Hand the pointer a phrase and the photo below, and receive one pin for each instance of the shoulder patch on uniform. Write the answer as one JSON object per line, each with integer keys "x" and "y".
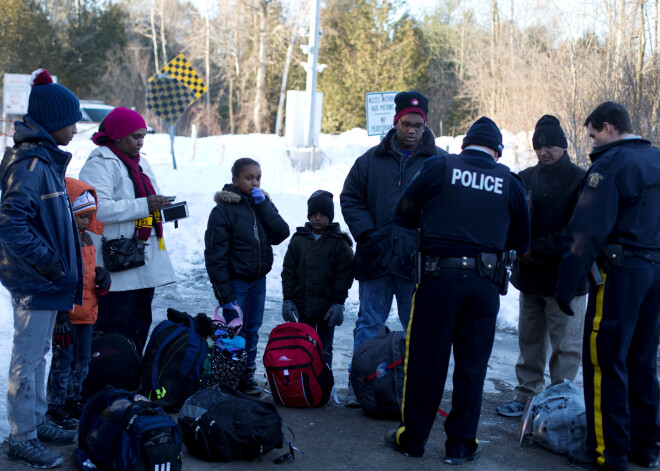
{"x": 595, "y": 180}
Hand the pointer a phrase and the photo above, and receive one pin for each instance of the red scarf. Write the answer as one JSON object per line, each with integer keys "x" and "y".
{"x": 143, "y": 188}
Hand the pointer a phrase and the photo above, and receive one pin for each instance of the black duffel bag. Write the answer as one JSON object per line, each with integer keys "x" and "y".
{"x": 123, "y": 253}
{"x": 222, "y": 424}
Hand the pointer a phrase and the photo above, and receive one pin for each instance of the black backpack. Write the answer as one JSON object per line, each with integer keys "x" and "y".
{"x": 377, "y": 374}
{"x": 222, "y": 424}
{"x": 114, "y": 361}
{"x": 175, "y": 361}
{"x": 121, "y": 431}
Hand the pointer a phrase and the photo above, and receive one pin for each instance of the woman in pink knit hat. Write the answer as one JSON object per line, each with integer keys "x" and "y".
{"x": 129, "y": 203}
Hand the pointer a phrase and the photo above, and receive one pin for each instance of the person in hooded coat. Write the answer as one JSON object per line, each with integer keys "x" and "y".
{"x": 242, "y": 228}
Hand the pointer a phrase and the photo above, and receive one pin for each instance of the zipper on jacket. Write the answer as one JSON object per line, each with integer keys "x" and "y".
{"x": 53, "y": 195}
{"x": 256, "y": 236}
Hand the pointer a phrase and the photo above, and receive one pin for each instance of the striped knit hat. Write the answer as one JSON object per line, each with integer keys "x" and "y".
{"x": 84, "y": 202}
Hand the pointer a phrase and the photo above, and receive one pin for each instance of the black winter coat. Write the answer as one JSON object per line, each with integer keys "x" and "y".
{"x": 238, "y": 240}
{"x": 553, "y": 192}
{"x": 371, "y": 190}
{"x": 317, "y": 273}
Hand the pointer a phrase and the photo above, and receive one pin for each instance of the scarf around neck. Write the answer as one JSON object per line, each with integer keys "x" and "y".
{"x": 143, "y": 188}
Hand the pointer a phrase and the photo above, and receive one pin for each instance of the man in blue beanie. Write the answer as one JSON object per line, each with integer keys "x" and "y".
{"x": 41, "y": 261}
{"x": 383, "y": 256}
{"x": 471, "y": 211}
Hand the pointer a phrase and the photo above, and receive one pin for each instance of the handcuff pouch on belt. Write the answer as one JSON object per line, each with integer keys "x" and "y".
{"x": 486, "y": 264}
{"x": 611, "y": 256}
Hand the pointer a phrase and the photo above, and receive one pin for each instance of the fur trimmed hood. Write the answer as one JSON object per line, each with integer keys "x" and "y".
{"x": 230, "y": 195}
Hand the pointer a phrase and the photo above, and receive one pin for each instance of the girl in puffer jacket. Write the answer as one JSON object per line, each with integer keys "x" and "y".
{"x": 242, "y": 228}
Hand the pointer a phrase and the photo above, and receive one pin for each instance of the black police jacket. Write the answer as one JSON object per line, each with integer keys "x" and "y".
{"x": 371, "y": 190}
{"x": 465, "y": 204}
{"x": 553, "y": 192}
{"x": 619, "y": 204}
{"x": 238, "y": 240}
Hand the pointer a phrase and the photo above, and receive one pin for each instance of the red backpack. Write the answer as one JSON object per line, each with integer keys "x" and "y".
{"x": 294, "y": 364}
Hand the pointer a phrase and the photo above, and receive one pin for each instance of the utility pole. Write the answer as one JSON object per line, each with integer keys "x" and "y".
{"x": 312, "y": 67}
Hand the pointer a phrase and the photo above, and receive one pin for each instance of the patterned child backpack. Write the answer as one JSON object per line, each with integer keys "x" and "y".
{"x": 122, "y": 431}
{"x": 175, "y": 360}
{"x": 294, "y": 364}
{"x": 228, "y": 355}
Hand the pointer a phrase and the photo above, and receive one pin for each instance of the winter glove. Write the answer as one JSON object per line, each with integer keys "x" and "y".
{"x": 289, "y": 311}
{"x": 103, "y": 281}
{"x": 565, "y": 306}
{"x": 258, "y": 195}
{"x": 62, "y": 330}
{"x": 335, "y": 315}
{"x": 53, "y": 270}
{"x": 229, "y": 306}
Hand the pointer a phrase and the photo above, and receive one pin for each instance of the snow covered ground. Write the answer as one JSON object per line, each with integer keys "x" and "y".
{"x": 202, "y": 173}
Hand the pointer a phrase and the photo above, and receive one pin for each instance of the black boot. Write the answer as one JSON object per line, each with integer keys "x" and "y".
{"x": 248, "y": 384}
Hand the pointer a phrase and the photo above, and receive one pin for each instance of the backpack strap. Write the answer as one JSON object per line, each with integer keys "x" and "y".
{"x": 291, "y": 454}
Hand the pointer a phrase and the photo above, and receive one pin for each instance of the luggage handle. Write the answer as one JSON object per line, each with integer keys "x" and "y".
{"x": 236, "y": 322}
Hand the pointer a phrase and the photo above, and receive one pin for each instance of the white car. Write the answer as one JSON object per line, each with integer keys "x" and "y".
{"x": 93, "y": 112}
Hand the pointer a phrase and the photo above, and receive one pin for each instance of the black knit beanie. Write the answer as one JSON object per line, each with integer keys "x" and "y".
{"x": 321, "y": 201}
{"x": 549, "y": 133}
{"x": 484, "y": 132}
{"x": 410, "y": 102}
{"x": 50, "y": 104}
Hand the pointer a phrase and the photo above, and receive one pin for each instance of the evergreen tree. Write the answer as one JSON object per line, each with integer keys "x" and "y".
{"x": 89, "y": 35}
{"x": 369, "y": 46}
{"x": 27, "y": 39}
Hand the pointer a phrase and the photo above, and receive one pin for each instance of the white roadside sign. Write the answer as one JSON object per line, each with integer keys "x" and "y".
{"x": 16, "y": 93}
{"x": 380, "y": 112}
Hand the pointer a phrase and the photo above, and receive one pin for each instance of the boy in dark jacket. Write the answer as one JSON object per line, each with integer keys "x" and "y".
{"x": 41, "y": 261}
{"x": 318, "y": 272}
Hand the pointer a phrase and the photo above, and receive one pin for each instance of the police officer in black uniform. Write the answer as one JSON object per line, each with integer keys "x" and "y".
{"x": 617, "y": 222}
{"x": 471, "y": 211}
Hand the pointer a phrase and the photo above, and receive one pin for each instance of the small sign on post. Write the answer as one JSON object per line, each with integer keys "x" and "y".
{"x": 380, "y": 112}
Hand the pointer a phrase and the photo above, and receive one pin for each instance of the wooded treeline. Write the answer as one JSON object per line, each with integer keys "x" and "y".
{"x": 468, "y": 62}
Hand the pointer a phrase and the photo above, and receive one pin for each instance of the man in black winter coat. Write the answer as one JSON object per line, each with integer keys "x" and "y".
{"x": 384, "y": 252}
{"x": 552, "y": 190}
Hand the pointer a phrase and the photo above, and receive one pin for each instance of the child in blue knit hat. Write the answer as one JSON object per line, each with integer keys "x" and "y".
{"x": 41, "y": 261}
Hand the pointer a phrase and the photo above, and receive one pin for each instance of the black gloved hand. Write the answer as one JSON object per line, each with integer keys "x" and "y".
{"x": 565, "y": 306}
{"x": 103, "y": 281}
{"x": 53, "y": 270}
{"x": 62, "y": 330}
{"x": 335, "y": 315}
{"x": 289, "y": 311}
